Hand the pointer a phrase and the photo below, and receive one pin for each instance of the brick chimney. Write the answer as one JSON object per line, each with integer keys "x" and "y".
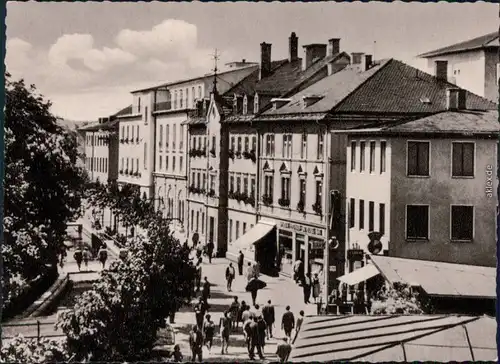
{"x": 265, "y": 60}
{"x": 293, "y": 45}
{"x": 441, "y": 70}
{"x": 312, "y": 52}
{"x": 333, "y": 46}
{"x": 456, "y": 99}
{"x": 357, "y": 57}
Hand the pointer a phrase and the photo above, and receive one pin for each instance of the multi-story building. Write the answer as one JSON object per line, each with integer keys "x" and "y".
{"x": 433, "y": 194}
{"x": 472, "y": 64}
{"x": 363, "y": 93}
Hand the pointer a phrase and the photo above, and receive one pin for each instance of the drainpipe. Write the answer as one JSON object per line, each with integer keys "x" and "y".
{"x": 257, "y": 175}
{"x": 153, "y": 121}
{"x": 207, "y": 179}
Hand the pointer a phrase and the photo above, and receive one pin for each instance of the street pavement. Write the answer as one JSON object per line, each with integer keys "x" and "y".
{"x": 281, "y": 291}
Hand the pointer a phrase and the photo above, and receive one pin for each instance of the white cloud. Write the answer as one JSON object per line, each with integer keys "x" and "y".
{"x": 98, "y": 60}
{"x": 17, "y": 55}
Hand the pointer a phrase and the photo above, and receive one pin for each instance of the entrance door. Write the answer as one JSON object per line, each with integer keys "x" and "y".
{"x": 211, "y": 228}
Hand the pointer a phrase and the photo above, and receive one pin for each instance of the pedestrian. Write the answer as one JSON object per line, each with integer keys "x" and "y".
{"x": 261, "y": 326}
{"x": 177, "y": 355}
{"x": 250, "y": 271}
{"x": 241, "y": 259}
{"x": 306, "y": 286}
{"x": 234, "y": 310}
{"x": 242, "y": 309}
{"x": 283, "y": 350}
{"x": 246, "y": 331}
{"x": 208, "y": 332}
{"x": 246, "y": 315}
{"x": 253, "y": 293}
{"x": 298, "y": 325}
{"x": 199, "y": 252}
{"x": 103, "y": 255}
{"x": 200, "y": 310}
{"x": 256, "y": 312}
{"x": 230, "y": 274}
{"x": 205, "y": 292}
{"x": 296, "y": 270}
{"x": 78, "y": 255}
{"x": 288, "y": 322}
{"x": 316, "y": 287}
{"x": 269, "y": 318}
{"x": 196, "y": 343}
{"x": 210, "y": 251}
{"x": 225, "y": 328}
{"x": 198, "y": 275}
{"x": 86, "y": 257}
{"x": 255, "y": 342}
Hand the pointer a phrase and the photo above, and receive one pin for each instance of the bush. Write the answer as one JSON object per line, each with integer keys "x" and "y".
{"x": 396, "y": 299}
{"x": 23, "y": 350}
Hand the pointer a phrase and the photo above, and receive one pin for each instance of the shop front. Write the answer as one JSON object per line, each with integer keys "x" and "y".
{"x": 300, "y": 242}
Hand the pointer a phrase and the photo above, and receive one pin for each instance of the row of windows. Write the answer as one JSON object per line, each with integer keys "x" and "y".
{"x": 237, "y": 229}
{"x": 127, "y": 164}
{"x": 371, "y": 215}
{"x": 286, "y": 188}
{"x": 182, "y": 97}
{"x": 196, "y": 224}
{"x": 162, "y": 167}
{"x": 174, "y": 137}
{"x": 286, "y": 150}
{"x": 242, "y": 144}
{"x": 97, "y": 164}
{"x": 130, "y": 132}
{"x": 372, "y": 156}
{"x": 199, "y": 180}
{"x": 245, "y": 104}
{"x": 240, "y": 183}
{"x": 96, "y": 140}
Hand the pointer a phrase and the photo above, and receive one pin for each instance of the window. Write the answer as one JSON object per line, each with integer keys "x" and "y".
{"x": 352, "y": 212}
{"x": 174, "y": 135}
{"x": 166, "y": 162}
{"x": 372, "y": 157}
{"x": 187, "y": 98}
{"x": 231, "y": 183}
{"x": 463, "y": 159}
{"x": 232, "y": 144}
{"x": 213, "y": 142}
{"x": 417, "y": 222}
{"x": 133, "y": 133}
{"x": 237, "y": 229}
{"x": 127, "y": 164}
{"x": 353, "y": 156}
{"x": 362, "y": 156}
{"x": 160, "y": 163}
{"x": 198, "y": 180}
{"x": 160, "y": 142}
{"x": 256, "y": 104}
{"x": 203, "y": 223}
{"x": 212, "y": 183}
{"x": 132, "y": 164}
{"x": 193, "y": 178}
{"x": 462, "y": 223}
{"x": 381, "y": 217}
{"x": 137, "y": 138}
{"x": 246, "y": 144}
{"x": 167, "y": 136}
{"x": 145, "y": 116}
{"x": 245, "y": 185}
{"x": 239, "y": 144}
{"x": 197, "y": 220}
{"x": 238, "y": 184}
{"x": 245, "y": 105}
{"x": 285, "y": 188}
{"x": 252, "y": 186}
{"x": 268, "y": 186}
{"x": 173, "y": 163}
{"x": 122, "y": 164}
{"x": 193, "y": 97}
{"x": 175, "y": 100}
{"x": 128, "y": 134}
{"x": 319, "y": 191}
{"x": 137, "y": 164}
{"x": 181, "y": 99}
{"x": 371, "y": 216}
{"x": 230, "y": 230}
{"x": 204, "y": 185}
{"x": 418, "y": 159}
{"x": 361, "y": 214}
{"x": 303, "y": 147}
{"x": 270, "y": 145}
{"x": 181, "y": 164}
{"x": 287, "y": 145}
{"x": 181, "y": 137}
{"x": 192, "y": 220}
{"x": 382, "y": 156}
{"x": 139, "y": 104}
{"x": 254, "y": 144}
{"x": 321, "y": 140}
{"x": 302, "y": 191}
{"x": 145, "y": 155}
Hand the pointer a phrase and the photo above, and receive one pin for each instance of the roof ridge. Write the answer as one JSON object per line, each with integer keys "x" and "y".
{"x": 486, "y": 38}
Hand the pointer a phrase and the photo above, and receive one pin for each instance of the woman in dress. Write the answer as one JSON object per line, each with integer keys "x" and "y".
{"x": 316, "y": 287}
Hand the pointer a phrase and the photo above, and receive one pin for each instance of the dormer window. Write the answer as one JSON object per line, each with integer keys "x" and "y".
{"x": 235, "y": 104}
{"x": 308, "y": 100}
{"x": 277, "y": 103}
{"x": 256, "y": 104}
{"x": 245, "y": 105}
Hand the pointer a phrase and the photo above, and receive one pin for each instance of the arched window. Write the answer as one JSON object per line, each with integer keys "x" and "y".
{"x": 256, "y": 104}
{"x": 245, "y": 105}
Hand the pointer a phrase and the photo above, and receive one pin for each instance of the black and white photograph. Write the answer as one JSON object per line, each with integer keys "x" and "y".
{"x": 250, "y": 181}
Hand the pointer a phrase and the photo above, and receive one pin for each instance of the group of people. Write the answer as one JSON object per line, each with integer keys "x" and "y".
{"x": 84, "y": 255}
{"x": 311, "y": 285}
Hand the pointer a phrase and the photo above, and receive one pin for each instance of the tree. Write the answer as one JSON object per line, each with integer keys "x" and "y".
{"x": 27, "y": 351}
{"x": 43, "y": 187}
{"x": 397, "y": 299}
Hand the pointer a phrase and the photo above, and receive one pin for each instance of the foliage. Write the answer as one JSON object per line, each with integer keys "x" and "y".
{"x": 120, "y": 317}
{"x": 43, "y": 185}
{"x": 23, "y": 350}
{"x": 397, "y": 299}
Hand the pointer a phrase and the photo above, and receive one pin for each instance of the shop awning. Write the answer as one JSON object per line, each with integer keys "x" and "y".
{"x": 254, "y": 235}
{"x": 359, "y": 275}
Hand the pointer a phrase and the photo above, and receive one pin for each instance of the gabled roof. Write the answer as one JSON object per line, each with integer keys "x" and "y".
{"x": 388, "y": 87}
{"x": 447, "y": 122}
{"x": 439, "y": 279}
{"x": 484, "y": 41}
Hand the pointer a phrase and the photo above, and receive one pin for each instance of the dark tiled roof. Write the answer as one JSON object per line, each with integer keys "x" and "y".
{"x": 239, "y": 119}
{"x": 281, "y": 80}
{"x": 108, "y": 125}
{"x": 125, "y": 111}
{"x": 484, "y": 41}
{"x": 195, "y": 121}
{"x": 388, "y": 87}
{"x": 401, "y": 338}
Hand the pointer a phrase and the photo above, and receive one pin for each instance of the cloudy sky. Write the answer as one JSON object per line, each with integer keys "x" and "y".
{"x": 87, "y": 57}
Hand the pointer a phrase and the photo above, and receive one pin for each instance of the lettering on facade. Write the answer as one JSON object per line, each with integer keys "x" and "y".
{"x": 489, "y": 181}
{"x": 309, "y": 230}
{"x": 317, "y": 244}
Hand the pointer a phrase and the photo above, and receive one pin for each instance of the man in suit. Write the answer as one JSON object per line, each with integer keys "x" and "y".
{"x": 255, "y": 342}
{"x": 269, "y": 318}
{"x": 288, "y": 322}
{"x": 241, "y": 259}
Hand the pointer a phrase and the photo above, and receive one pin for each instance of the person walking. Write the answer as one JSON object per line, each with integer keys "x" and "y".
{"x": 103, "y": 255}
{"x": 200, "y": 310}
{"x": 316, "y": 287}
{"x": 210, "y": 251}
{"x": 208, "y": 332}
{"x": 296, "y": 270}
{"x": 225, "y": 329}
{"x": 269, "y": 318}
{"x": 86, "y": 258}
{"x": 298, "y": 325}
{"x": 78, "y": 255}
{"x": 246, "y": 315}
{"x": 261, "y": 327}
{"x": 241, "y": 259}
{"x": 306, "y": 286}
{"x": 198, "y": 275}
{"x": 253, "y": 294}
{"x": 283, "y": 350}
{"x": 255, "y": 342}
{"x": 243, "y": 308}
{"x": 288, "y": 322}
{"x": 250, "y": 272}
{"x": 256, "y": 312}
{"x": 205, "y": 292}
{"x": 196, "y": 343}
{"x": 230, "y": 274}
{"x": 246, "y": 331}
{"x": 234, "y": 311}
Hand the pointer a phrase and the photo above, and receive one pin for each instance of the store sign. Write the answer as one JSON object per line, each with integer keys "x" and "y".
{"x": 310, "y": 230}
{"x": 355, "y": 254}
{"x": 315, "y": 244}
{"x": 489, "y": 181}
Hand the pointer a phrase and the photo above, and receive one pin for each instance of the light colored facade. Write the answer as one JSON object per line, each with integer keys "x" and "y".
{"x": 473, "y": 65}
{"x": 433, "y": 196}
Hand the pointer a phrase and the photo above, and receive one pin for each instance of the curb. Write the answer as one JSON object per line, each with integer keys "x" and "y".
{"x": 46, "y": 298}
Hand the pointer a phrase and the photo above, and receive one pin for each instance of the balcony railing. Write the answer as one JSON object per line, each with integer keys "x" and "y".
{"x": 163, "y": 106}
